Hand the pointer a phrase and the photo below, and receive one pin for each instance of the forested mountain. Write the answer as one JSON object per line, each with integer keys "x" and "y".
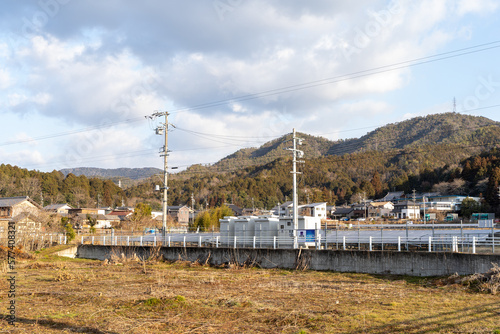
{"x": 426, "y": 153}
{"x": 116, "y": 173}
{"x": 477, "y": 133}
{"x": 447, "y": 153}
{"x": 54, "y": 187}
{"x": 337, "y": 180}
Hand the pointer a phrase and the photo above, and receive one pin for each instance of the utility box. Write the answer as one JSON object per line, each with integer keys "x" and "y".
{"x": 482, "y": 216}
{"x": 451, "y": 217}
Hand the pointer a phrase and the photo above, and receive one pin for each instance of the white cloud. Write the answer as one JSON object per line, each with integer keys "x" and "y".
{"x": 5, "y": 79}
{"x": 477, "y": 6}
{"x": 99, "y": 62}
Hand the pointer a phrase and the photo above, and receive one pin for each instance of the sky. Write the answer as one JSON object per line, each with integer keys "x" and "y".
{"x": 79, "y": 78}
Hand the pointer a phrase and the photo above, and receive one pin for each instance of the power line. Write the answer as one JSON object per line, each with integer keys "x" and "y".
{"x": 350, "y": 76}
{"x": 311, "y": 84}
{"x": 67, "y": 133}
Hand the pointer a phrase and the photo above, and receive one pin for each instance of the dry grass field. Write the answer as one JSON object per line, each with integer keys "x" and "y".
{"x": 59, "y": 295}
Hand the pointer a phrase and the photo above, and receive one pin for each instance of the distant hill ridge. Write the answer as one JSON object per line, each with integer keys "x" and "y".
{"x": 436, "y": 129}
{"x": 131, "y": 173}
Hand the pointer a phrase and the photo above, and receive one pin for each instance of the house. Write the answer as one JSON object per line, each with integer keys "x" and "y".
{"x": 61, "y": 209}
{"x": 121, "y": 214}
{"x": 446, "y": 202}
{"x": 406, "y": 210}
{"x": 237, "y": 211}
{"x": 313, "y": 210}
{"x": 180, "y": 213}
{"x": 21, "y": 210}
{"x": 90, "y": 211}
{"x": 380, "y": 209}
{"x": 330, "y": 210}
{"x": 343, "y": 213}
{"x": 282, "y": 209}
{"x": 361, "y": 209}
{"x": 102, "y": 221}
{"x": 10, "y": 207}
{"x": 393, "y": 196}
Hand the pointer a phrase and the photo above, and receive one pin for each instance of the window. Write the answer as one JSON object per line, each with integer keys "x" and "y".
{"x": 288, "y": 223}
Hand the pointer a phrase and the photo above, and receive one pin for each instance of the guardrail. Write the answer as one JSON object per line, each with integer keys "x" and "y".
{"x": 466, "y": 243}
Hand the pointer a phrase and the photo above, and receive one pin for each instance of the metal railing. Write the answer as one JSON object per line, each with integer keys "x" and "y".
{"x": 465, "y": 243}
{"x": 35, "y": 241}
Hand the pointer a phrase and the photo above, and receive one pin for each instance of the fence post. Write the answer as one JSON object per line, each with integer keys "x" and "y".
{"x": 274, "y": 242}
{"x": 184, "y": 242}
{"x": 51, "y": 240}
{"x": 128, "y": 240}
{"x": 343, "y": 241}
{"x": 140, "y": 240}
{"x": 382, "y": 238}
{"x": 199, "y": 241}
{"x": 318, "y": 242}
{"x": 81, "y": 241}
{"x": 234, "y": 246}
{"x": 370, "y": 243}
{"x": 493, "y": 236}
{"x": 104, "y": 241}
{"x": 430, "y": 244}
{"x": 326, "y": 239}
{"x": 473, "y": 245}
{"x": 92, "y": 240}
{"x": 217, "y": 242}
{"x": 66, "y": 240}
{"x": 254, "y": 241}
{"x": 168, "y": 241}
{"x": 295, "y": 242}
{"x": 154, "y": 241}
{"x": 399, "y": 243}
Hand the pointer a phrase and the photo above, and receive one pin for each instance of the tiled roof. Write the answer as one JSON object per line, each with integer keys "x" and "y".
{"x": 8, "y": 202}
{"x": 55, "y": 206}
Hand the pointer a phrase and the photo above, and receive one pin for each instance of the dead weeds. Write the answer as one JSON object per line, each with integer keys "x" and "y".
{"x": 132, "y": 295}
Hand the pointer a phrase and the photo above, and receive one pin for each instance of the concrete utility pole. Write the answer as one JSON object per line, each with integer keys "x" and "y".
{"x": 414, "y": 206}
{"x": 423, "y": 200}
{"x": 296, "y": 153}
{"x": 364, "y": 200}
{"x": 163, "y": 130}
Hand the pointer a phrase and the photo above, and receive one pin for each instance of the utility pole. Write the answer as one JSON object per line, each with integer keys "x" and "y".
{"x": 296, "y": 153}
{"x": 364, "y": 201}
{"x": 163, "y": 130}
{"x": 414, "y": 207}
{"x": 423, "y": 200}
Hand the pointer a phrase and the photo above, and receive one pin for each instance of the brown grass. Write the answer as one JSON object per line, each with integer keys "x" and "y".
{"x": 58, "y": 295}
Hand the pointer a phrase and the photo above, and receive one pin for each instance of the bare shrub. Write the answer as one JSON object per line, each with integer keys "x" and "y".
{"x": 488, "y": 282}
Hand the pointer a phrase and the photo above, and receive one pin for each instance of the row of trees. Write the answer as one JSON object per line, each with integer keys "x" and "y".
{"x": 54, "y": 187}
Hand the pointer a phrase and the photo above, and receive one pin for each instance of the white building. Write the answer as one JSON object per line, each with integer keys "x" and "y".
{"x": 269, "y": 231}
